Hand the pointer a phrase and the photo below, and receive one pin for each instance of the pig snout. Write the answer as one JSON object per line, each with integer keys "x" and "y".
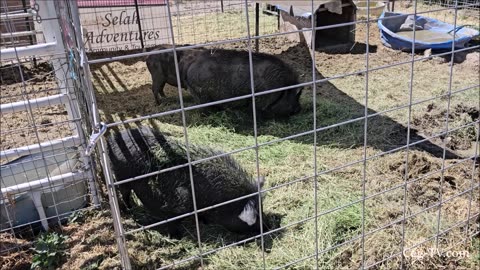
{"x": 285, "y": 106}
{"x": 241, "y": 217}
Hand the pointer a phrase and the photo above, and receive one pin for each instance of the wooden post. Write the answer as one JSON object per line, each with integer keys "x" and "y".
{"x": 221, "y": 4}
{"x": 278, "y": 18}
{"x": 257, "y": 21}
{"x": 139, "y": 25}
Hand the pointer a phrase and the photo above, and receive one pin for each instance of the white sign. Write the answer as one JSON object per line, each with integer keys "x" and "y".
{"x": 113, "y": 29}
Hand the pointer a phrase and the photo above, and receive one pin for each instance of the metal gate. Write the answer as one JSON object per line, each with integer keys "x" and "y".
{"x": 45, "y": 176}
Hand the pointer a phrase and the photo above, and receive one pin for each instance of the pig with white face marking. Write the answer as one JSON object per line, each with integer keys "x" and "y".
{"x": 138, "y": 151}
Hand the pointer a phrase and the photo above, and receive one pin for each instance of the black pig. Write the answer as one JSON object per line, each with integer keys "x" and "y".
{"x": 135, "y": 152}
{"x": 162, "y": 68}
{"x": 212, "y": 75}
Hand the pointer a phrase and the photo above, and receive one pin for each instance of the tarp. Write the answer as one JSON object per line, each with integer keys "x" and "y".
{"x": 303, "y": 8}
{"x": 396, "y": 32}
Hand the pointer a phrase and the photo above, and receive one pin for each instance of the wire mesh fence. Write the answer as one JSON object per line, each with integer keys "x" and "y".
{"x": 467, "y": 4}
{"x": 20, "y": 24}
{"x": 321, "y": 148}
{"x": 45, "y": 178}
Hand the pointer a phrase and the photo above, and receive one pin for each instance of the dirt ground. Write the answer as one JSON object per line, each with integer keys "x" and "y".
{"x": 19, "y": 259}
{"x": 124, "y": 91}
{"x": 22, "y": 128}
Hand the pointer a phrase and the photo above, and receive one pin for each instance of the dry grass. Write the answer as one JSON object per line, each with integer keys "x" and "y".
{"x": 19, "y": 257}
{"x": 200, "y": 28}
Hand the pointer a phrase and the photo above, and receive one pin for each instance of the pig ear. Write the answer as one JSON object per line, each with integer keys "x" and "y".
{"x": 261, "y": 180}
{"x": 249, "y": 213}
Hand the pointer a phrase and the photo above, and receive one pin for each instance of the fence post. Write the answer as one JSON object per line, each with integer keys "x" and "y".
{"x": 139, "y": 25}
{"x": 85, "y": 69}
{"x": 29, "y": 25}
{"x": 221, "y": 4}
{"x": 278, "y": 18}
{"x": 257, "y": 20}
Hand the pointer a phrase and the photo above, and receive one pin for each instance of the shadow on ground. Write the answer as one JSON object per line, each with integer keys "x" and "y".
{"x": 333, "y": 106}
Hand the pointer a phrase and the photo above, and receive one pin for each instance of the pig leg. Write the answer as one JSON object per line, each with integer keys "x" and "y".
{"x": 174, "y": 230}
{"x": 157, "y": 88}
{"x": 125, "y": 202}
{"x": 203, "y": 219}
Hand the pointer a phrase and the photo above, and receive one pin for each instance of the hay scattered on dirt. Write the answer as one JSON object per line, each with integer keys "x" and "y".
{"x": 18, "y": 256}
{"x": 92, "y": 242}
{"x": 18, "y": 128}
